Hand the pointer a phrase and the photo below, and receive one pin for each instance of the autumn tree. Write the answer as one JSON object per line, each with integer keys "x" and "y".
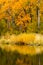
{"x": 21, "y": 14}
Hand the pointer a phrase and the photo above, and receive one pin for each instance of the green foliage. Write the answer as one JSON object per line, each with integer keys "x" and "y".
{"x": 3, "y": 26}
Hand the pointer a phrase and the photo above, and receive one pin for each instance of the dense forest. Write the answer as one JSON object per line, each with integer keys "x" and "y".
{"x": 21, "y": 32}
{"x": 18, "y": 16}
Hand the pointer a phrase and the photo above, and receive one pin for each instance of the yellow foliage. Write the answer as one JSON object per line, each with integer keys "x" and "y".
{"x": 26, "y": 38}
{"x": 23, "y": 37}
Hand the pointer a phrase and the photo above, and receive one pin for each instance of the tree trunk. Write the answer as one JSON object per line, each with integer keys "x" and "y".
{"x": 38, "y": 14}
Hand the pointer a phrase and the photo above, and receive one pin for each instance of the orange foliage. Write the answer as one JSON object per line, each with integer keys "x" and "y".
{"x": 19, "y": 7}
